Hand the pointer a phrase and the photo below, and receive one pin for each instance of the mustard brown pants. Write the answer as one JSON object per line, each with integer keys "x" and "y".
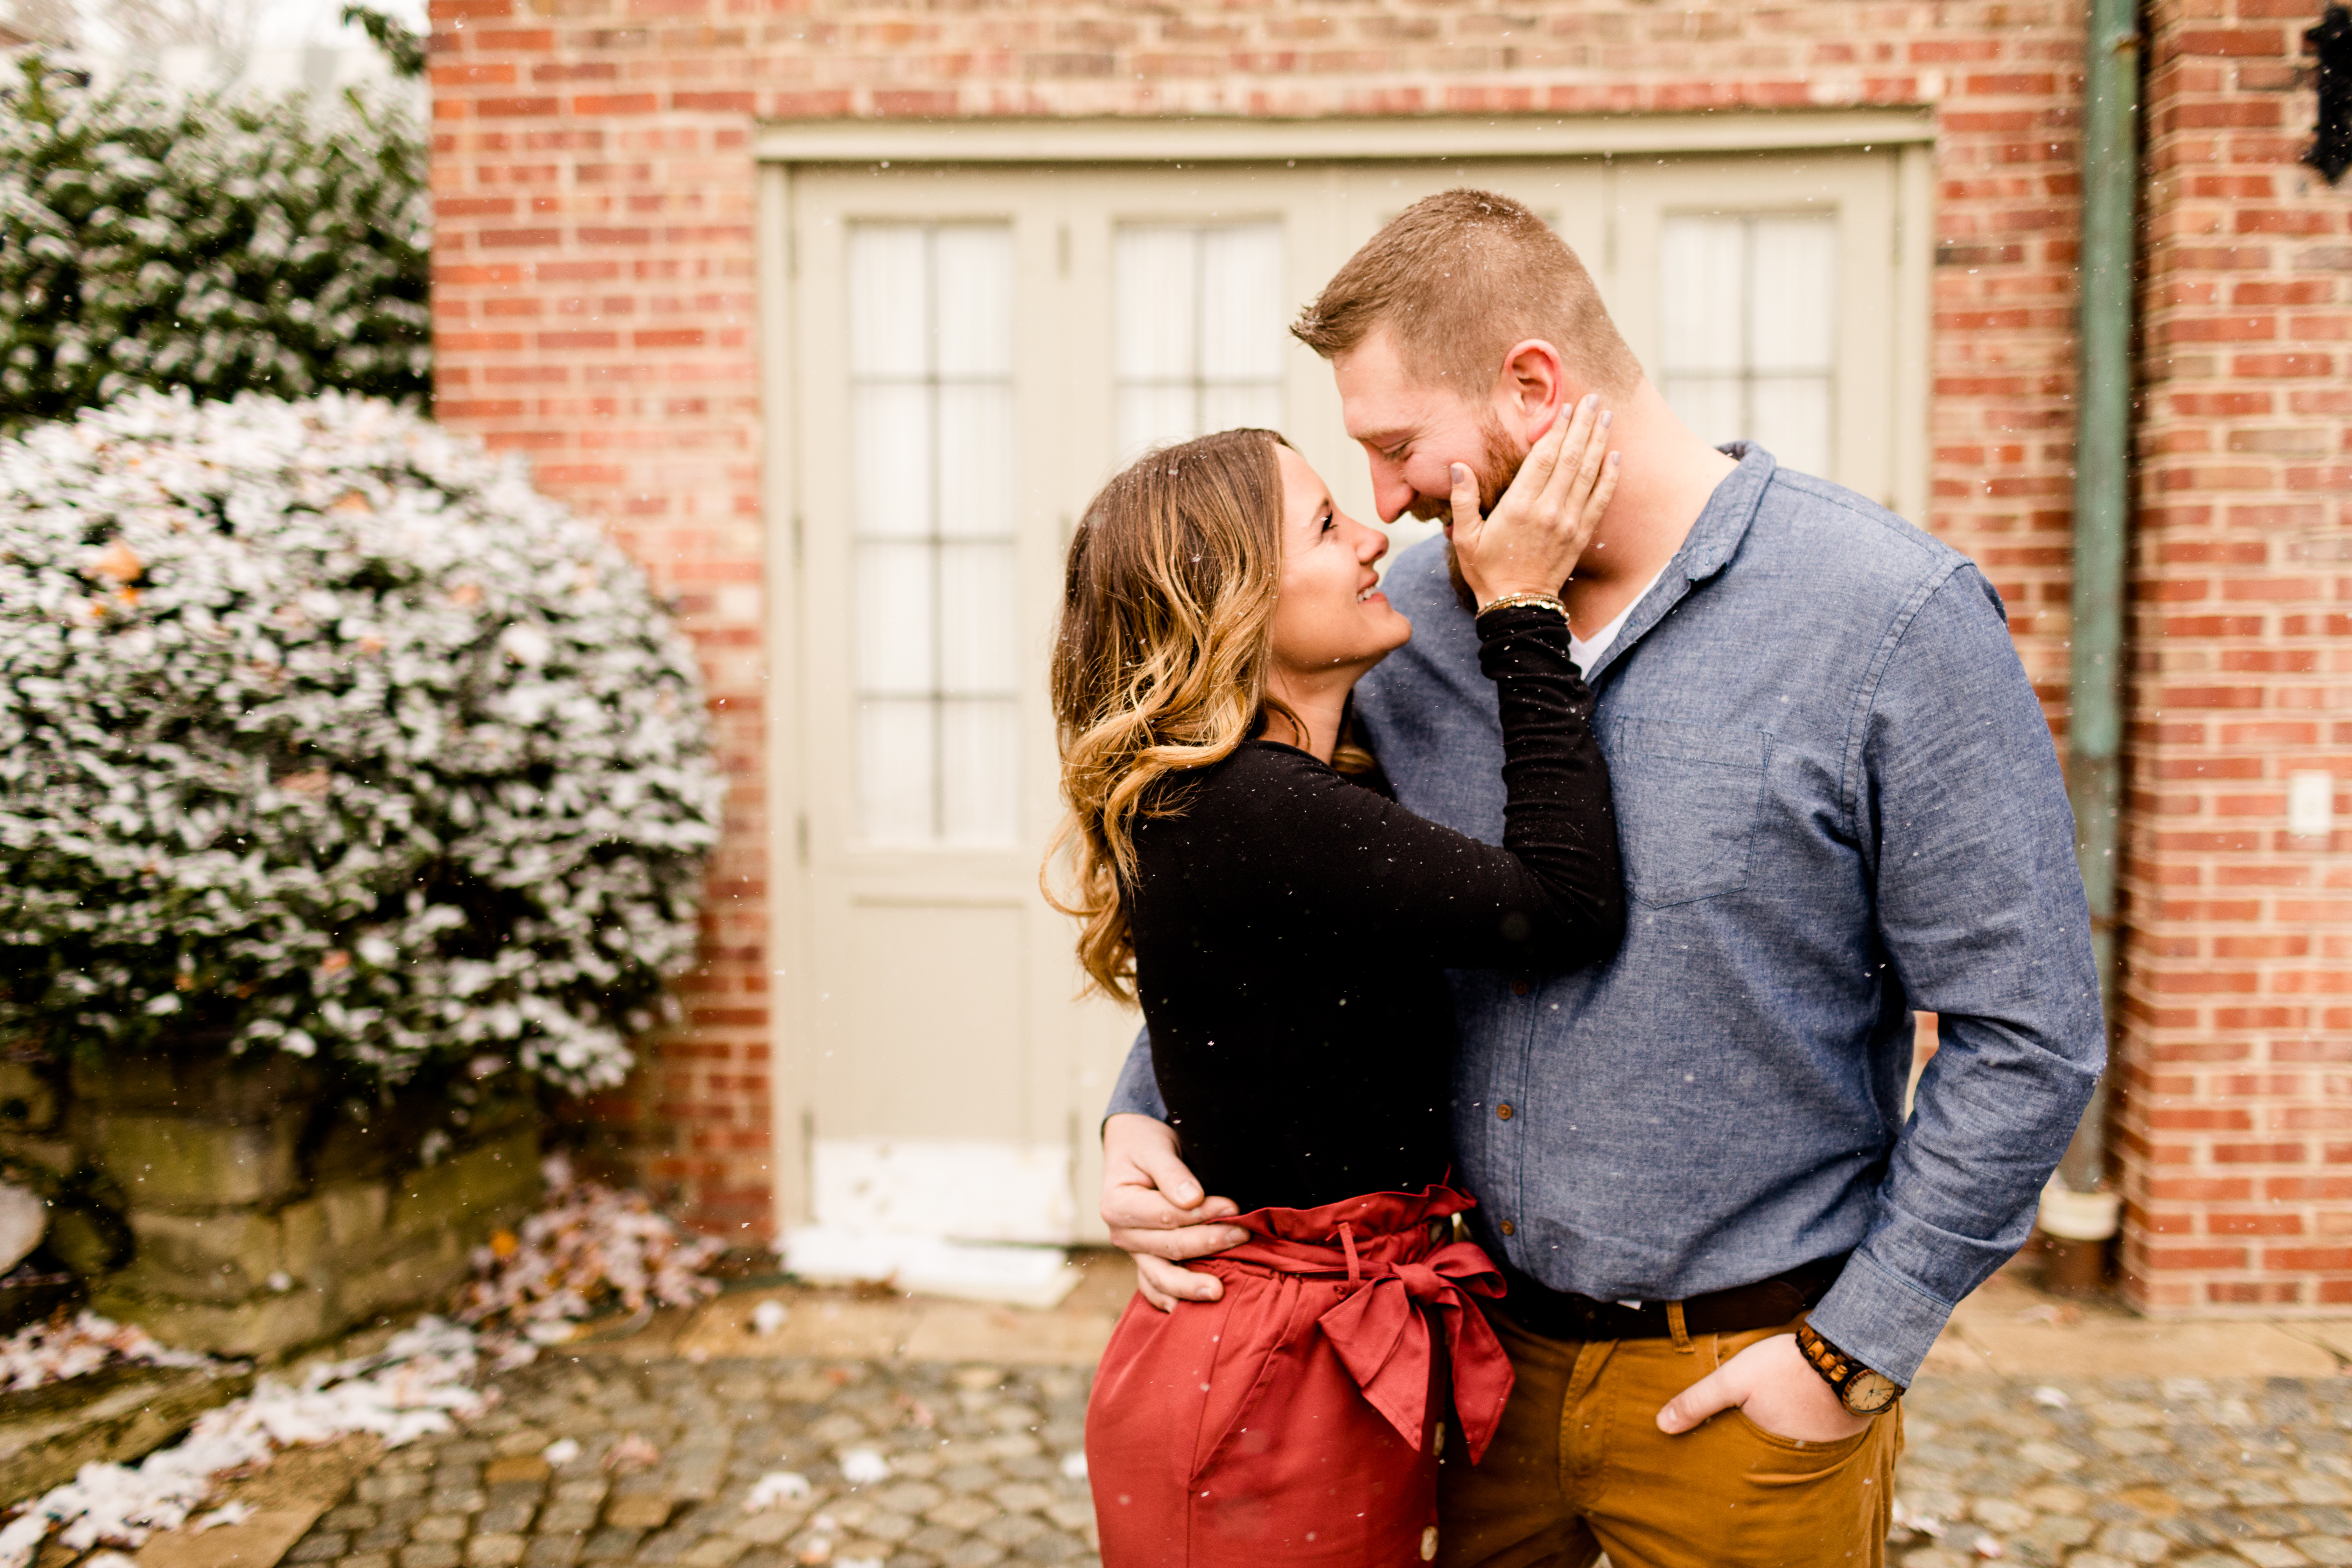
{"x": 1579, "y": 1467}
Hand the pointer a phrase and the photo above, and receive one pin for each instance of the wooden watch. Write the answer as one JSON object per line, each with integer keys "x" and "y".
{"x": 1859, "y": 1389}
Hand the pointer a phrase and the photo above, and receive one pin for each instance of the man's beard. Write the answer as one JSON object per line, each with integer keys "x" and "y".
{"x": 1498, "y": 466}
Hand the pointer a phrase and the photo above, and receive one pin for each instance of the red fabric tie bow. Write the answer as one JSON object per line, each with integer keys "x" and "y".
{"x": 1383, "y": 1337}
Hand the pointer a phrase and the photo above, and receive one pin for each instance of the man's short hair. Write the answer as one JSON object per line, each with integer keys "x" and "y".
{"x": 1460, "y": 277}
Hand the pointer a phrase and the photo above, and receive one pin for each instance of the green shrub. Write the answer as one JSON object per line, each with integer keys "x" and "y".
{"x": 321, "y": 731}
{"x": 223, "y": 246}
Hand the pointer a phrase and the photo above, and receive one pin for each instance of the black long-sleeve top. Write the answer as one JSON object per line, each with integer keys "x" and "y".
{"x": 1292, "y": 929}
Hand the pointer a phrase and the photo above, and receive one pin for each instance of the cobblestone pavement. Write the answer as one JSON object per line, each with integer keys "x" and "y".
{"x": 2086, "y": 1472}
{"x": 2103, "y": 1472}
{"x": 670, "y": 1451}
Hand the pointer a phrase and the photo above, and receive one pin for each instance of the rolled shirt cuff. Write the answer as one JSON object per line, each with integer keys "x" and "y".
{"x": 1888, "y": 1320}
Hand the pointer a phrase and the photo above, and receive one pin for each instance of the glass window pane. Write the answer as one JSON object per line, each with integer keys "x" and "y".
{"x": 891, "y": 452}
{"x": 975, "y": 457}
{"x": 1795, "y": 295}
{"x": 1709, "y": 404}
{"x": 1790, "y": 417}
{"x": 1155, "y": 283}
{"x": 979, "y": 776}
{"x": 898, "y": 765}
{"x": 1703, "y": 288}
{"x": 1153, "y": 416}
{"x": 897, "y": 623}
{"x": 889, "y": 323}
{"x": 1240, "y": 304}
{"x": 977, "y": 608}
{"x": 1750, "y": 329}
{"x": 1227, "y": 408}
{"x": 932, "y": 442}
{"x": 1220, "y": 363}
{"x": 973, "y": 265}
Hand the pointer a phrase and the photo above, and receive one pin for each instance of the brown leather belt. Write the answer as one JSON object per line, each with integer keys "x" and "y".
{"x": 1767, "y": 1304}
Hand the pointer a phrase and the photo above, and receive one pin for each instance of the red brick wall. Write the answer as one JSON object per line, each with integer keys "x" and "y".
{"x": 593, "y": 310}
{"x": 2236, "y": 1072}
{"x": 595, "y": 257}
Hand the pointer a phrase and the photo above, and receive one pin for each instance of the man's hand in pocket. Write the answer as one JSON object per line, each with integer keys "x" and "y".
{"x": 1778, "y": 1389}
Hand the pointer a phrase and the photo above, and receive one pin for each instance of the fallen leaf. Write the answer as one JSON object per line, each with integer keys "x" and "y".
{"x": 118, "y": 561}
{"x": 631, "y": 1453}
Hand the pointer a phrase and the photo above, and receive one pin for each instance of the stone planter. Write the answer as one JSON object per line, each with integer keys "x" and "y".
{"x": 244, "y": 1208}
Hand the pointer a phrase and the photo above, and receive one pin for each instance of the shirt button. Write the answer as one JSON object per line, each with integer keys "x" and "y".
{"x": 1518, "y": 988}
{"x": 1504, "y": 1110}
{"x": 1509, "y": 1229}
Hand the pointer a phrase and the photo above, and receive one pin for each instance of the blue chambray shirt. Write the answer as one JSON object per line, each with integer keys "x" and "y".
{"x": 1837, "y": 800}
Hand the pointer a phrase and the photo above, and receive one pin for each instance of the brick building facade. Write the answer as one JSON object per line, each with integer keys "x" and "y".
{"x": 597, "y": 298}
{"x": 2236, "y": 1117}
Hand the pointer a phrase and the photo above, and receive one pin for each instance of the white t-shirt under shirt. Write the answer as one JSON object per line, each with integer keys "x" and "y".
{"x": 1586, "y": 650}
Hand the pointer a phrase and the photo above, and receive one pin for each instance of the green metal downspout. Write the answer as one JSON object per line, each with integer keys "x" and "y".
{"x": 2103, "y": 507}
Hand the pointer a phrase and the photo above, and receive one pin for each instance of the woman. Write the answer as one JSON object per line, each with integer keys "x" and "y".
{"x": 1286, "y": 926}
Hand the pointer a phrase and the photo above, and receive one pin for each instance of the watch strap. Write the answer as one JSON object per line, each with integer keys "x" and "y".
{"x": 1841, "y": 1371}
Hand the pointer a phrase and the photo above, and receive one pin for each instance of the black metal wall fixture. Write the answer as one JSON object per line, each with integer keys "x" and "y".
{"x": 2331, "y": 145}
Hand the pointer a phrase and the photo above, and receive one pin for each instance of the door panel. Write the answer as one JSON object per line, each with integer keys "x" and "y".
{"x": 928, "y": 988}
{"x": 973, "y": 352}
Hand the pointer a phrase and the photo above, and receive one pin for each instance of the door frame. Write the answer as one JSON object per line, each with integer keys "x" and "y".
{"x": 780, "y": 150}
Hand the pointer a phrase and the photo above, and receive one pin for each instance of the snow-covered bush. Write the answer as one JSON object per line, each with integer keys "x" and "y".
{"x": 148, "y": 240}
{"x": 321, "y": 731}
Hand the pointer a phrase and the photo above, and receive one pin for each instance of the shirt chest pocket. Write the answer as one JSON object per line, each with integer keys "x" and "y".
{"x": 1688, "y": 796}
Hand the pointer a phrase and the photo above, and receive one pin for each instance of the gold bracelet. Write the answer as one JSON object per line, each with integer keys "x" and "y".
{"x": 1534, "y": 601}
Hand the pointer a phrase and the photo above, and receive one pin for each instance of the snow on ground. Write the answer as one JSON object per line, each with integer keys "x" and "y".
{"x": 591, "y": 1248}
{"x": 52, "y": 1351}
{"x": 416, "y": 1384}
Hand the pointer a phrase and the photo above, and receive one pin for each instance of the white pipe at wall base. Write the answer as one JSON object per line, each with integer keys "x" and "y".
{"x": 2069, "y": 1215}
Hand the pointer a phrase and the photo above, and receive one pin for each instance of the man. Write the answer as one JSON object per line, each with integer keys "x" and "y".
{"x": 1837, "y": 799}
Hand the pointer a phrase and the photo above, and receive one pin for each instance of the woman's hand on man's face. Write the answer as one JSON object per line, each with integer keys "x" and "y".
{"x": 1539, "y": 529}
{"x": 1158, "y": 1213}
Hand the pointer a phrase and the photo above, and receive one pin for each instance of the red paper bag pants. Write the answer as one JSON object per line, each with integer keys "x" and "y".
{"x": 1294, "y": 1420}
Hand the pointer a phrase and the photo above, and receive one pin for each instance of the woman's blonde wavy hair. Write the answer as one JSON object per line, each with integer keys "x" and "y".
{"x": 1160, "y": 662}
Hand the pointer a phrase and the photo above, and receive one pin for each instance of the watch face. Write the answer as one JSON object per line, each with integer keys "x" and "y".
{"x": 1870, "y": 1393}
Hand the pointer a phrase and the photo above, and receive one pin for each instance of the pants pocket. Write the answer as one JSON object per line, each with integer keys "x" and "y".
{"x": 1732, "y": 1494}
{"x": 1796, "y": 1458}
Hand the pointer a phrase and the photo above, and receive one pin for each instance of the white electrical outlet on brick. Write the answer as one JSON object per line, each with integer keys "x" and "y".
{"x": 2311, "y": 804}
